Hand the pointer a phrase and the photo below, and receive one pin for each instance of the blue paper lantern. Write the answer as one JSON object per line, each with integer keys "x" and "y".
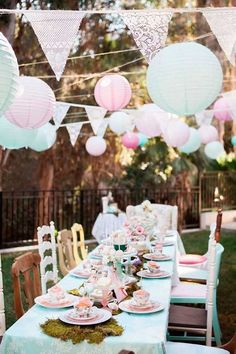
{"x": 143, "y": 139}
{"x": 45, "y": 138}
{"x": 214, "y": 150}
{"x": 13, "y": 137}
{"x": 9, "y": 74}
{"x": 233, "y": 140}
{"x": 184, "y": 78}
{"x": 193, "y": 143}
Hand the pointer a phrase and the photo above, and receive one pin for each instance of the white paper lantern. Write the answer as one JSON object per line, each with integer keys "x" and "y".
{"x": 35, "y": 105}
{"x": 214, "y": 149}
{"x": 9, "y": 74}
{"x": 184, "y": 78}
{"x": 119, "y": 122}
{"x": 96, "y": 146}
{"x": 193, "y": 143}
{"x": 208, "y": 133}
{"x": 177, "y": 133}
{"x": 45, "y": 138}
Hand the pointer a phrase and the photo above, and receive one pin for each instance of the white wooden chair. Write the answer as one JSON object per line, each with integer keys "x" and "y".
{"x": 2, "y": 307}
{"x": 47, "y": 244}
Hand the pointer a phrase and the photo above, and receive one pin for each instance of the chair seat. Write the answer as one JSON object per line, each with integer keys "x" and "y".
{"x": 186, "y": 291}
{"x": 192, "y": 273}
{"x": 184, "y": 348}
{"x": 192, "y": 259}
{"x": 183, "y": 316}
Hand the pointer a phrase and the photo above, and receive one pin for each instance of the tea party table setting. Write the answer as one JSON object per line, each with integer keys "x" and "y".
{"x": 63, "y": 322}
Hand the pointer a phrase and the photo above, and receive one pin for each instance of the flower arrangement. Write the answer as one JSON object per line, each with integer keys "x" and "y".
{"x": 111, "y": 256}
{"x": 140, "y": 227}
{"x": 119, "y": 239}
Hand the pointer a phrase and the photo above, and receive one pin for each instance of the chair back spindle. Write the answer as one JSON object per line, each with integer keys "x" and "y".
{"x": 218, "y": 225}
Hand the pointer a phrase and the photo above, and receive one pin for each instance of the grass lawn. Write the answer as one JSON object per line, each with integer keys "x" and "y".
{"x": 194, "y": 243}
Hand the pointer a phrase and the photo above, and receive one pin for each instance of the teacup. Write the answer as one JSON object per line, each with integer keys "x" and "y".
{"x": 83, "y": 307}
{"x": 56, "y": 293}
{"x": 153, "y": 267}
{"x": 141, "y": 297}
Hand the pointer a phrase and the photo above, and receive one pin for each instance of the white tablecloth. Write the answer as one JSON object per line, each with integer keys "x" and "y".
{"x": 106, "y": 223}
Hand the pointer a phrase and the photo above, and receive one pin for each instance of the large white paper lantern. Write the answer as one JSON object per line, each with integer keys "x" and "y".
{"x": 96, "y": 145}
{"x": 119, "y": 122}
{"x": 13, "y": 137}
{"x": 193, "y": 143}
{"x": 45, "y": 138}
{"x": 9, "y": 74}
{"x": 214, "y": 149}
{"x": 184, "y": 78}
{"x": 208, "y": 133}
{"x": 177, "y": 133}
{"x": 35, "y": 105}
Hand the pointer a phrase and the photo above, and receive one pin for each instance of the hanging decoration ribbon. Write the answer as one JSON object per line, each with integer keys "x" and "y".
{"x": 149, "y": 30}
{"x": 74, "y": 130}
{"x": 204, "y": 117}
{"x": 56, "y": 32}
{"x": 223, "y": 24}
{"x": 60, "y": 112}
{"x": 96, "y": 116}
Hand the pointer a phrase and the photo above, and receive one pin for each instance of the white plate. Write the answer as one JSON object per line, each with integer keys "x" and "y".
{"x": 102, "y": 316}
{"x": 162, "y": 274}
{"x": 124, "y": 306}
{"x": 166, "y": 243}
{"x": 42, "y": 301}
{"x": 79, "y": 273}
{"x": 163, "y": 257}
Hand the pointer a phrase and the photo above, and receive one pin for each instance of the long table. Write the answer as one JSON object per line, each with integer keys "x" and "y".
{"x": 143, "y": 334}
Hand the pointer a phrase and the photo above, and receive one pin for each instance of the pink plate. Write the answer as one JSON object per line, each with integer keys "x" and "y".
{"x": 157, "y": 257}
{"x": 80, "y": 273}
{"x": 72, "y": 316}
{"x": 127, "y": 306}
{"x": 159, "y": 275}
{"x": 44, "y": 301}
{"x": 102, "y": 316}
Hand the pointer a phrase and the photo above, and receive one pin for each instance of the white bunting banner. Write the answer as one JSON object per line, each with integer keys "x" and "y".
{"x": 230, "y": 97}
{"x": 96, "y": 116}
{"x": 102, "y": 128}
{"x": 149, "y": 30}
{"x": 60, "y": 112}
{"x": 56, "y": 32}
{"x": 204, "y": 117}
{"x": 223, "y": 24}
{"x": 74, "y": 130}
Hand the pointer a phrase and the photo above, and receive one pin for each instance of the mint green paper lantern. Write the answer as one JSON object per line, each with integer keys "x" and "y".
{"x": 214, "y": 149}
{"x": 45, "y": 138}
{"x": 9, "y": 74}
{"x": 143, "y": 139}
{"x": 184, "y": 78}
{"x": 193, "y": 143}
{"x": 233, "y": 140}
{"x": 13, "y": 137}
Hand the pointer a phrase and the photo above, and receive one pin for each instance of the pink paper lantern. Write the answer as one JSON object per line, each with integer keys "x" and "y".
{"x": 112, "y": 92}
{"x": 222, "y": 110}
{"x": 148, "y": 120}
{"x": 33, "y": 106}
{"x": 208, "y": 133}
{"x": 130, "y": 140}
{"x": 177, "y": 133}
{"x": 96, "y": 146}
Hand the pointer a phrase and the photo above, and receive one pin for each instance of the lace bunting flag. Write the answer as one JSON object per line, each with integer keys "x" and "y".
{"x": 74, "y": 130}
{"x": 149, "y": 30}
{"x": 223, "y": 24}
{"x": 204, "y": 117}
{"x": 95, "y": 115}
{"x": 102, "y": 128}
{"x": 60, "y": 112}
{"x": 56, "y": 32}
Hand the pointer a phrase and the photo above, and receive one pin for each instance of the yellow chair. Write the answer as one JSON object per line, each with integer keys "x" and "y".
{"x": 65, "y": 251}
{"x": 78, "y": 228}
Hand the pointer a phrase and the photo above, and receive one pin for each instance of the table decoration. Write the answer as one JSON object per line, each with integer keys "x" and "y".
{"x": 93, "y": 334}
{"x": 119, "y": 240}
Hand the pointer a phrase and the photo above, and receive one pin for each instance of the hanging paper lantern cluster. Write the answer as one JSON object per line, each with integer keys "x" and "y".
{"x": 9, "y": 74}
{"x": 112, "y": 92}
{"x": 45, "y": 138}
{"x": 184, "y": 78}
{"x": 143, "y": 139}
{"x": 95, "y": 145}
{"x": 193, "y": 143}
{"x": 233, "y": 140}
{"x": 34, "y": 106}
{"x": 214, "y": 149}
{"x": 130, "y": 140}
{"x": 222, "y": 110}
{"x": 208, "y": 133}
{"x": 177, "y": 133}
{"x": 119, "y": 122}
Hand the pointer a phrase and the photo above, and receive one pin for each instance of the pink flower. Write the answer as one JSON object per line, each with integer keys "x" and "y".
{"x": 140, "y": 230}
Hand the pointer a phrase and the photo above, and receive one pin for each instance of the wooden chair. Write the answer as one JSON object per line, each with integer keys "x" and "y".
{"x": 27, "y": 266}
{"x": 78, "y": 228}
{"x": 47, "y": 244}
{"x": 2, "y": 307}
{"x": 65, "y": 251}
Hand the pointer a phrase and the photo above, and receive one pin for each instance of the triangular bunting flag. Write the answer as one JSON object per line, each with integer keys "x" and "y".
{"x": 95, "y": 115}
{"x": 74, "y": 130}
{"x": 223, "y": 24}
{"x": 102, "y": 128}
{"x": 149, "y": 30}
{"x": 204, "y": 117}
{"x": 60, "y": 112}
{"x": 56, "y": 32}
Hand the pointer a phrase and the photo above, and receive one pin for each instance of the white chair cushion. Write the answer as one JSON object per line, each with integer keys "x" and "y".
{"x": 189, "y": 290}
{"x": 186, "y": 348}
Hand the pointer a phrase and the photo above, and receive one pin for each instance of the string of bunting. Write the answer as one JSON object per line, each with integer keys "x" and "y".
{"x": 57, "y": 30}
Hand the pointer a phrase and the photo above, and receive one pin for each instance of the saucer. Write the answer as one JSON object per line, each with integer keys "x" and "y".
{"x": 44, "y": 301}
{"x": 128, "y": 307}
{"x": 157, "y": 257}
{"x": 80, "y": 273}
{"x": 74, "y": 316}
{"x": 159, "y": 275}
{"x": 102, "y": 316}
